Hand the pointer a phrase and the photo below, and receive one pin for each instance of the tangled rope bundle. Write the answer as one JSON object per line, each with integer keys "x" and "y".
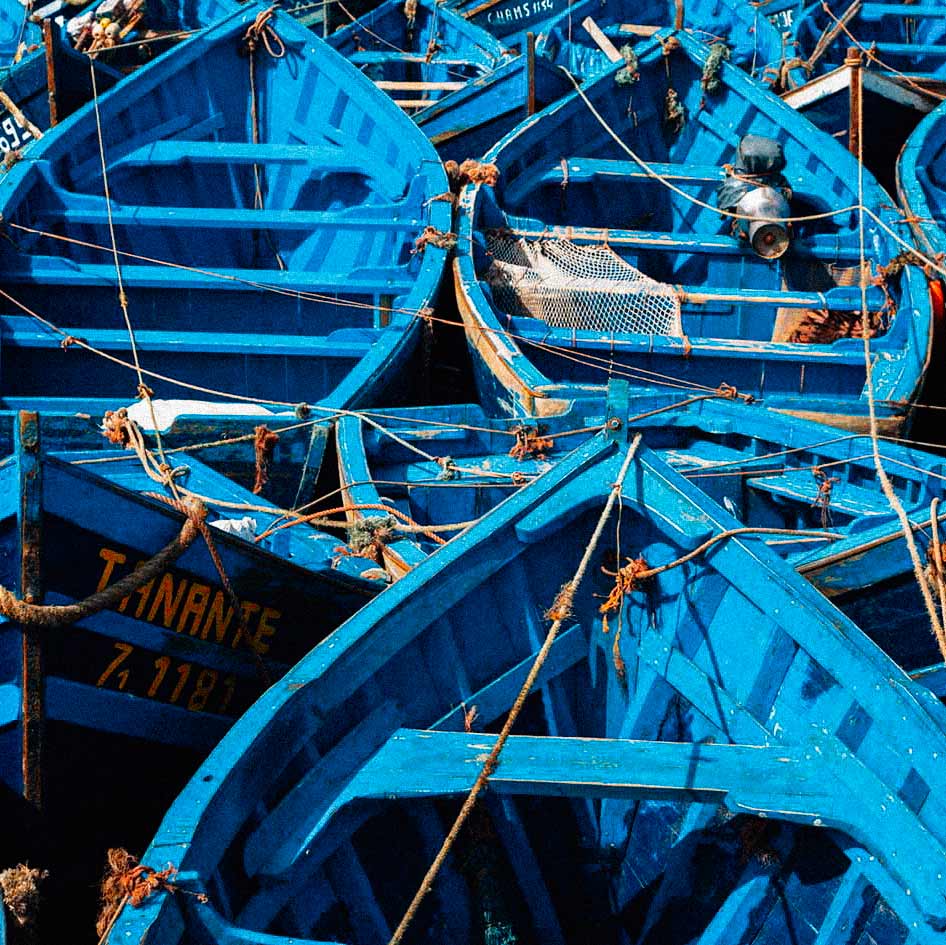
{"x": 531, "y": 444}
{"x": 626, "y": 580}
{"x": 264, "y": 442}
{"x": 19, "y": 887}
{"x": 127, "y": 881}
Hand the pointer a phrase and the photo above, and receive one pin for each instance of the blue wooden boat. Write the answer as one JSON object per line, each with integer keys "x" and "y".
{"x": 55, "y": 39}
{"x": 97, "y": 694}
{"x": 17, "y": 32}
{"x": 902, "y": 38}
{"x": 751, "y": 41}
{"x": 443, "y": 466}
{"x": 667, "y": 296}
{"x": 282, "y": 257}
{"x": 77, "y": 523}
{"x": 921, "y": 184}
{"x": 731, "y": 757}
{"x": 867, "y": 73}
{"x": 459, "y": 83}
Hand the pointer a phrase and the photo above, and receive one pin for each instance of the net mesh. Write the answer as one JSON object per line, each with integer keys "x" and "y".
{"x": 589, "y": 288}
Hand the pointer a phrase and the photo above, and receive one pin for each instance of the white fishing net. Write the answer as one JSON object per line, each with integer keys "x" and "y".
{"x": 589, "y": 288}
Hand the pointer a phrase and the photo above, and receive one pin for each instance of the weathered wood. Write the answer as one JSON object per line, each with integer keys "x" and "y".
{"x": 389, "y": 85}
{"x": 33, "y": 667}
{"x": 601, "y": 41}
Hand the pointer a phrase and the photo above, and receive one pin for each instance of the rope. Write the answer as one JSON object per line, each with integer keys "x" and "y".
{"x": 264, "y": 442}
{"x": 21, "y": 119}
{"x": 885, "y": 483}
{"x": 492, "y": 760}
{"x": 871, "y": 55}
{"x": 261, "y": 31}
{"x": 126, "y": 881}
{"x": 629, "y": 577}
{"x": 44, "y": 615}
{"x": 144, "y": 392}
{"x": 235, "y": 602}
{"x": 531, "y": 444}
{"x": 936, "y": 564}
{"x": 822, "y": 501}
{"x": 429, "y": 531}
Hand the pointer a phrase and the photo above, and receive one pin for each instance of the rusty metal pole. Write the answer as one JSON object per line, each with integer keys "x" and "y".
{"x": 530, "y": 73}
{"x": 854, "y": 64}
{"x": 50, "y": 40}
{"x": 30, "y": 531}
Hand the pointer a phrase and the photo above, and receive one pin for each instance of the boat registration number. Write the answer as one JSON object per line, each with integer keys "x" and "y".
{"x": 12, "y": 134}
{"x": 783, "y": 19}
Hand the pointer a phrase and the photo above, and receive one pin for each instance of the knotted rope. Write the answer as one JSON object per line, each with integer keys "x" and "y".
{"x": 19, "y": 886}
{"x": 30, "y": 614}
{"x": 261, "y": 31}
{"x": 368, "y": 536}
{"x": 431, "y": 236}
{"x": 823, "y": 498}
{"x": 628, "y": 74}
{"x": 181, "y": 505}
{"x": 264, "y": 442}
{"x": 127, "y": 881}
{"x": 530, "y": 444}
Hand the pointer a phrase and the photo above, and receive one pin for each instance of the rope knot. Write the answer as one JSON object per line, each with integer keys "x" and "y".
{"x": 448, "y": 468}
{"x": 823, "y": 498}
{"x": 628, "y": 74}
{"x": 367, "y": 537}
{"x": 433, "y": 47}
{"x": 626, "y": 581}
{"x": 69, "y": 340}
{"x": 262, "y": 31}
{"x": 19, "y": 886}
{"x": 711, "y": 79}
{"x": 668, "y": 45}
{"x": 531, "y": 444}
{"x": 12, "y": 157}
{"x": 729, "y": 392}
{"x": 561, "y": 608}
{"x": 674, "y": 112}
{"x": 264, "y": 443}
{"x": 469, "y": 717}
{"x": 431, "y": 236}
{"x": 115, "y": 427}
{"x": 470, "y": 172}
{"x": 127, "y": 881}
{"x": 144, "y": 392}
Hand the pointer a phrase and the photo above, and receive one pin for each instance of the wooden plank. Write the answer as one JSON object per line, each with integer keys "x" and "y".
{"x": 94, "y": 212}
{"x": 601, "y": 41}
{"x": 54, "y": 271}
{"x": 853, "y": 896}
{"x": 289, "y": 826}
{"x": 421, "y": 763}
{"x": 495, "y": 698}
{"x": 639, "y": 29}
{"x": 33, "y": 665}
{"x": 391, "y": 85}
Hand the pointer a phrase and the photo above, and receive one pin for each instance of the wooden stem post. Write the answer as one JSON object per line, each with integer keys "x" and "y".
{"x": 30, "y": 533}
